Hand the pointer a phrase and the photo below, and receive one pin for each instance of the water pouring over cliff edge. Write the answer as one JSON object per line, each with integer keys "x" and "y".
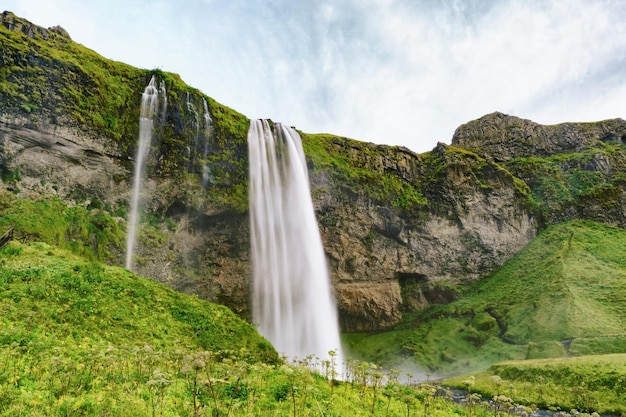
{"x": 149, "y": 105}
{"x": 292, "y": 299}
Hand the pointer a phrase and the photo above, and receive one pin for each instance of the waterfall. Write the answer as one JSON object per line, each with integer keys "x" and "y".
{"x": 195, "y": 124}
{"x": 208, "y": 122}
{"x": 208, "y": 129}
{"x": 292, "y": 300}
{"x": 149, "y": 104}
{"x": 163, "y": 95}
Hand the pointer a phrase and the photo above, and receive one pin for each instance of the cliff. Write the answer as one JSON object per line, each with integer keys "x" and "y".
{"x": 400, "y": 230}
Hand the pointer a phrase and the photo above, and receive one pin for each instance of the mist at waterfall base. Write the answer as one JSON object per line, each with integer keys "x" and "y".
{"x": 149, "y": 105}
{"x": 292, "y": 301}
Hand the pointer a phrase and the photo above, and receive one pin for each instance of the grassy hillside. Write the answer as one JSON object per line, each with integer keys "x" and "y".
{"x": 52, "y": 298}
{"x": 564, "y": 294}
{"x": 84, "y": 339}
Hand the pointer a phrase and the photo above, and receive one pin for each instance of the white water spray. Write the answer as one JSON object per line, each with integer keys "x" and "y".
{"x": 292, "y": 300}
{"x": 149, "y": 105}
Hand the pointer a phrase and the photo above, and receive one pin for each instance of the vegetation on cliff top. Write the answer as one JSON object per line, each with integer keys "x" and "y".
{"x": 56, "y": 77}
{"x": 355, "y": 167}
{"x": 585, "y": 184}
{"x": 56, "y": 80}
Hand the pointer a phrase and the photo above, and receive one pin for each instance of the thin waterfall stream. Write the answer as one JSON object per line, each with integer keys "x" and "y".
{"x": 149, "y": 105}
{"x": 292, "y": 299}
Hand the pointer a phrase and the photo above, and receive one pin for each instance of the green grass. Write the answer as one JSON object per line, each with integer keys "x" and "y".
{"x": 383, "y": 347}
{"x": 586, "y": 383}
{"x": 568, "y": 283}
{"x": 52, "y": 298}
{"x": 78, "y": 338}
{"x": 90, "y": 232}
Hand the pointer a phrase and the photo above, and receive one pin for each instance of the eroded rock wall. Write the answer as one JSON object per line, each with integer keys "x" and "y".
{"x": 384, "y": 261}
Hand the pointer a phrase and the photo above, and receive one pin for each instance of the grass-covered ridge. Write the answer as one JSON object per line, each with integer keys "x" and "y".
{"x": 564, "y": 294}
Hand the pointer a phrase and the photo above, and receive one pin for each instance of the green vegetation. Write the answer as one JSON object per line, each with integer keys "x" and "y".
{"x": 562, "y": 295}
{"x": 54, "y": 298}
{"x": 90, "y": 232}
{"x": 80, "y": 338}
{"x": 57, "y": 76}
{"x": 355, "y": 165}
{"x": 586, "y": 384}
{"x": 569, "y": 181}
{"x": 83, "y": 339}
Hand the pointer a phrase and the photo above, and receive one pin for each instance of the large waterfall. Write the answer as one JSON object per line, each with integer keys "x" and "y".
{"x": 149, "y": 105}
{"x": 292, "y": 300}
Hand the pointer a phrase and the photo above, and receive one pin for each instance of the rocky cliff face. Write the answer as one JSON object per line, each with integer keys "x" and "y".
{"x": 400, "y": 230}
{"x": 12, "y": 22}
{"x": 504, "y": 137}
{"x": 386, "y": 260}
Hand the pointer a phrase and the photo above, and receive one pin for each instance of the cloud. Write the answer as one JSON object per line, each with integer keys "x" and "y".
{"x": 388, "y": 71}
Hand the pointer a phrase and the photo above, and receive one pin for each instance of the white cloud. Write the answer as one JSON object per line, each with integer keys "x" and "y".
{"x": 394, "y": 71}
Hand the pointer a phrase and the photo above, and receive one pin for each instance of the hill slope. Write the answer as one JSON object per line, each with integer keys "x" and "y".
{"x": 84, "y": 339}
{"x": 564, "y": 294}
{"x": 568, "y": 283}
{"x": 81, "y": 338}
{"x": 52, "y": 299}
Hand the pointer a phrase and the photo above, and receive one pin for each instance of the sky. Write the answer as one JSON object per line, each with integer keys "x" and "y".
{"x": 397, "y": 72}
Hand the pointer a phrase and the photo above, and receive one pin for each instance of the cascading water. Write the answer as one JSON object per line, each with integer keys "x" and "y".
{"x": 292, "y": 300}
{"x": 195, "y": 125}
{"x": 208, "y": 129}
{"x": 163, "y": 96}
{"x": 149, "y": 105}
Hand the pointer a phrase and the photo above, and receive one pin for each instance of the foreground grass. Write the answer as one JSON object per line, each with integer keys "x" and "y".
{"x": 82, "y": 339}
{"x": 586, "y": 383}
